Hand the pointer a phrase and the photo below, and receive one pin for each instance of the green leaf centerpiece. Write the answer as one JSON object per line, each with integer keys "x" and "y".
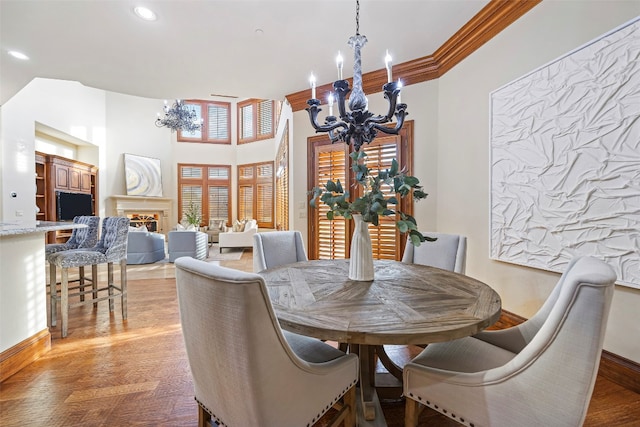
{"x": 373, "y": 203}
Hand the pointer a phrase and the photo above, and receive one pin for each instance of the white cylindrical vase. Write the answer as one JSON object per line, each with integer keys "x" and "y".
{"x": 361, "y": 256}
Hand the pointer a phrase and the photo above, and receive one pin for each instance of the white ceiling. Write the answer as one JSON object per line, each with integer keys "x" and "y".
{"x": 197, "y": 48}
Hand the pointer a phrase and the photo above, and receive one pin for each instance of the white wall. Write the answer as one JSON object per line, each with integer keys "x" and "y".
{"x": 131, "y": 129}
{"x": 67, "y": 106}
{"x": 548, "y": 31}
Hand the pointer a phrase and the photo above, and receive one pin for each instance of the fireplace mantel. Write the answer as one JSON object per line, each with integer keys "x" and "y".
{"x": 122, "y": 205}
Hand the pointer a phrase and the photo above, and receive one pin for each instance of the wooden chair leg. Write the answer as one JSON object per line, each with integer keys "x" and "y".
{"x": 411, "y": 411}
{"x": 64, "y": 301}
{"x": 123, "y": 287}
{"x": 204, "y": 418}
{"x": 110, "y": 284}
{"x": 350, "y": 400}
{"x": 94, "y": 284}
{"x": 81, "y": 282}
{"x": 53, "y": 293}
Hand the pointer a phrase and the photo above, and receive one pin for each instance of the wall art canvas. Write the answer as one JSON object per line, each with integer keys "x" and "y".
{"x": 565, "y": 159}
{"x": 143, "y": 176}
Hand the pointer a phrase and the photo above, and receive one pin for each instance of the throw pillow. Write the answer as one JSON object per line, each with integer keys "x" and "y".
{"x": 238, "y": 226}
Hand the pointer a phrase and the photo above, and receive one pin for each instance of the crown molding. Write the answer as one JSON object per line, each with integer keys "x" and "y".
{"x": 491, "y": 20}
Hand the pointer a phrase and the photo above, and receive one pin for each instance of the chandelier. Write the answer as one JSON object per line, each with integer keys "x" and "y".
{"x": 179, "y": 117}
{"x": 359, "y": 125}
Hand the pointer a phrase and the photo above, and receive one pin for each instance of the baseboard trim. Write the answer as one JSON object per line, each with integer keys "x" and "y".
{"x": 617, "y": 369}
{"x": 24, "y": 353}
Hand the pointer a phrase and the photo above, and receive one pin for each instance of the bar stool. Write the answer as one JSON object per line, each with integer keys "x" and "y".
{"x": 111, "y": 248}
{"x": 80, "y": 238}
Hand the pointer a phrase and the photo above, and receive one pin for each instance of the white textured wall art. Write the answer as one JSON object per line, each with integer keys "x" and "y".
{"x": 565, "y": 159}
{"x": 143, "y": 176}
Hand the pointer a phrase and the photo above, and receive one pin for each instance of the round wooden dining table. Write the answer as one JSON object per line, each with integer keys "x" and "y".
{"x": 404, "y": 304}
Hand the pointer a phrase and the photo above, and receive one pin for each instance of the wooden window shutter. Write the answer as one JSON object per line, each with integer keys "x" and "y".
{"x": 245, "y": 202}
{"x": 330, "y": 236}
{"x": 209, "y": 186}
{"x": 265, "y": 119}
{"x": 282, "y": 182}
{"x": 218, "y": 122}
{"x": 385, "y": 238}
{"x": 219, "y": 203}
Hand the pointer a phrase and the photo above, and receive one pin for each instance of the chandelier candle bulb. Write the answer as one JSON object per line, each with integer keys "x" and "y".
{"x": 312, "y": 82}
{"x": 339, "y": 63}
{"x": 331, "y": 104}
{"x": 387, "y": 63}
{"x": 399, "y": 91}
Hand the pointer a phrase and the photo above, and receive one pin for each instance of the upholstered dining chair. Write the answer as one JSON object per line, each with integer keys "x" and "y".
{"x": 247, "y": 371}
{"x": 540, "y": 373}
{"x": 112, "y": 248}
{"x": 86, "y": 237}
{"x": 448, "y": 252}
{"x": 277, "y": 248}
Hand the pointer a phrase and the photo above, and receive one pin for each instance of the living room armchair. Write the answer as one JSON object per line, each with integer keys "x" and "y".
{"x": 239, "y": 239}
{"x": 187, "y": 243}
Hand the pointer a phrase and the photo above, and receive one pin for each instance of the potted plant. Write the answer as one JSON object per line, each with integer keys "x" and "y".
{"x": 369, "y": 207}
{"x": 193, "y": 215}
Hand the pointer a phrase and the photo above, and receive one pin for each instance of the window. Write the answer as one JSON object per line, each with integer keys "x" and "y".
{"x": 282, "y": 182}
{"x": 256, "y": 119}
{"x": 255, "y": 193}
{"x": 216, "y": 122}
{"x": 331, "y": 239}
{"x": 207, "y": 186}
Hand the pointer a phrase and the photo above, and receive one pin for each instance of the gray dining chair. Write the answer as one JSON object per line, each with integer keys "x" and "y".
{"x": 247, "y": 371}
{"x": 276, "y": 248}
{"x": 112, "y": 248}
{"x": 448, "y": 252}
{"x": 540, "y": 373}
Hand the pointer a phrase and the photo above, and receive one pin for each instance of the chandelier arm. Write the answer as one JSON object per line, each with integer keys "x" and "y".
{"x": 400, "y": 115}
{"x": 331, "y": 122}
{"x": 341, "y": 87}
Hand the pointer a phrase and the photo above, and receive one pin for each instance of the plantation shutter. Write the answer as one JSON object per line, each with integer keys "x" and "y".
{"x": 265, "y": 118}
{"x": 332, "y": 239}
{"x": 207, "y": 186}
{"x": 255, "y": 193}
{"x": 245, "y": 202}
{"x": 330, "y": 236}
{"x": 247, "y": 121}
{"x": 218, "y": 122}
{"x": 282, "y": 183}
{"x": 215, "y": 118}
{"x": 190, "y": 194}
{"x": 385, "y": 238}
{"x": 265, "y": 203}
{"x": 219, "y": 203}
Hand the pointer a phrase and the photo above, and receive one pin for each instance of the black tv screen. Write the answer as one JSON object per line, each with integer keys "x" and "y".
{"x": 71, "y": 205}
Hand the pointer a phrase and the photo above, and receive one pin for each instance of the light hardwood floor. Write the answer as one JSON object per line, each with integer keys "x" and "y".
{"x": 113, "y": 373}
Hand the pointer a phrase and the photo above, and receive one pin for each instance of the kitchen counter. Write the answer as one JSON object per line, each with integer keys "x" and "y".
{"x": 24, "y": 335}
{"x": 29, "y": 227}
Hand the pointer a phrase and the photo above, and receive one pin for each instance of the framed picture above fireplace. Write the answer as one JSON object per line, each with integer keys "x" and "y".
{"x": 143, "y": 176}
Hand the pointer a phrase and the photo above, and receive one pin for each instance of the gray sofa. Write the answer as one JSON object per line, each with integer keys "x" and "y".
{"x": 188, "y": 243}
{"x": 144, "y": 247}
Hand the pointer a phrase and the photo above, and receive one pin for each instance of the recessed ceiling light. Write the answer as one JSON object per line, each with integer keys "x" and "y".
{"x": 18, "y": 55}
{"x": 144, "y": 13}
